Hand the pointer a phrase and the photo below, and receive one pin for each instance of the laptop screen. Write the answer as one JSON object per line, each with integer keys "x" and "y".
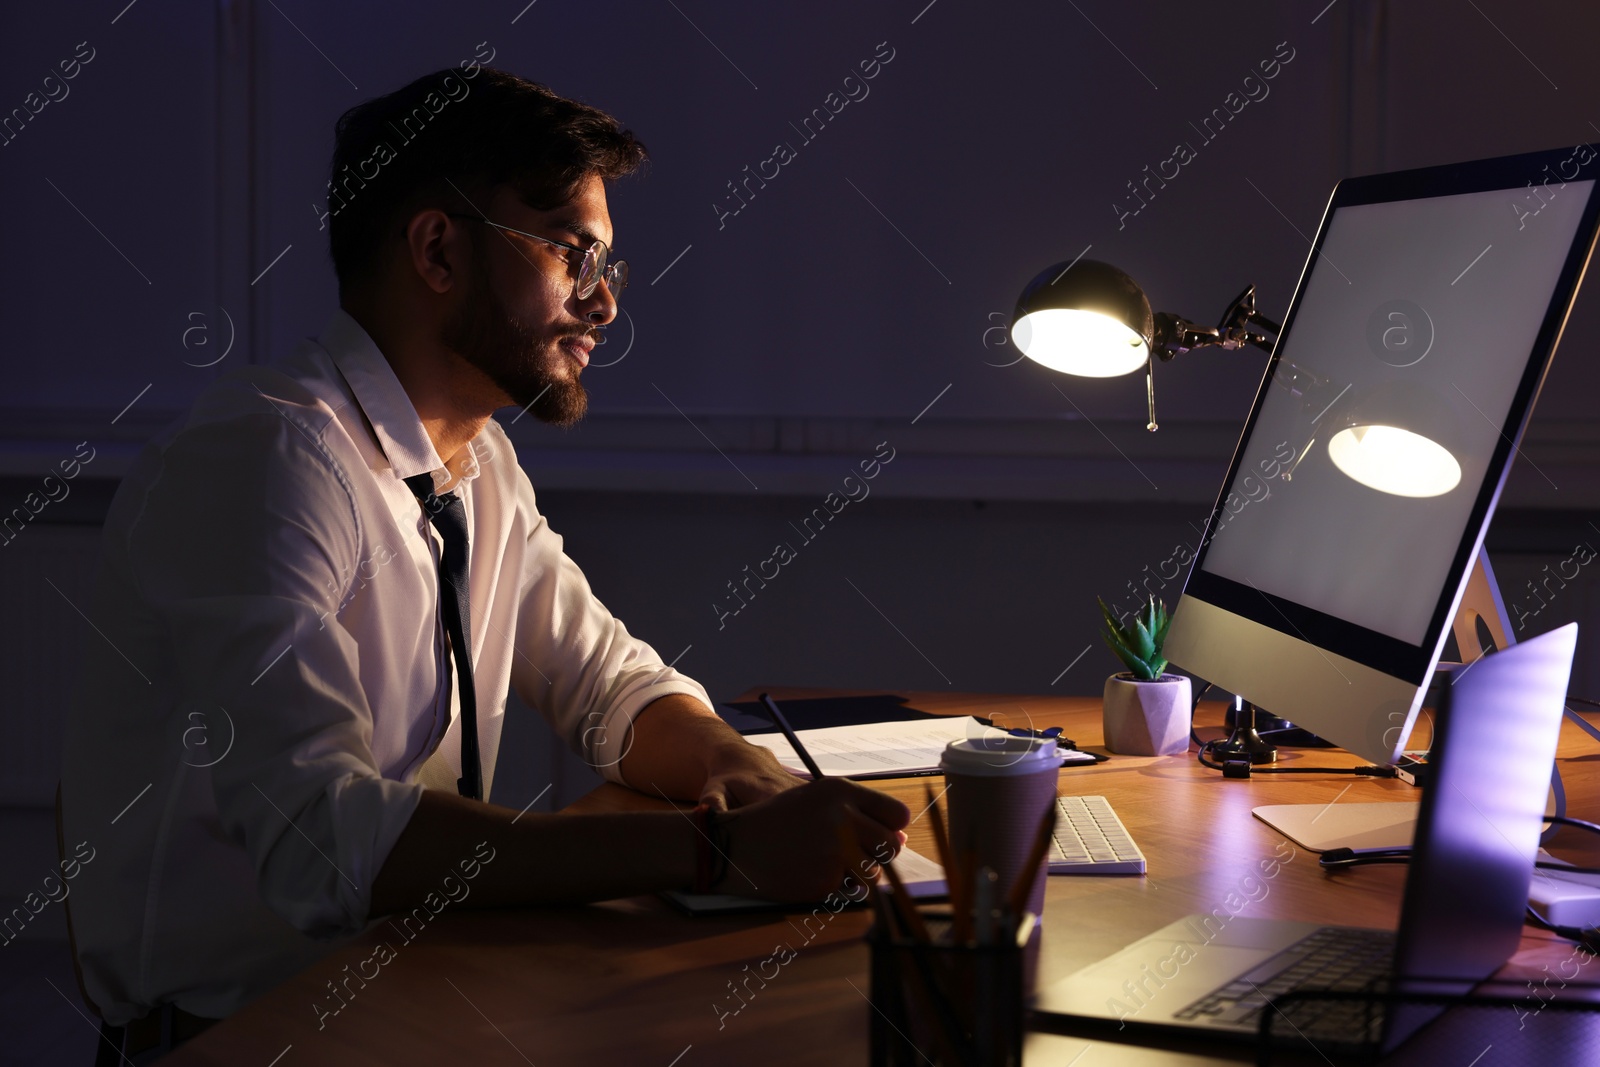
{"x": 1482, "y": 812}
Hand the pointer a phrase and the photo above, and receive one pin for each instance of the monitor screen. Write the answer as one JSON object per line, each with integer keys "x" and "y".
{"x": 1443, "y": 297}
{"x": 1386, "y": 422}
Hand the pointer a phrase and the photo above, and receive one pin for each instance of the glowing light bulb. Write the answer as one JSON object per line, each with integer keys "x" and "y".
{"x": 1085, "y": 343}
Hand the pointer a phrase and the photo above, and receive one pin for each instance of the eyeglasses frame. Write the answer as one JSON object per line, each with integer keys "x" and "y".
{"x": 599, "y": 252}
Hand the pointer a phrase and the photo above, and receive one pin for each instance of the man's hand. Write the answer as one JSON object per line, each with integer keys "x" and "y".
{"x": 790, "y": 847}
{"x": 680, "y": 749}
{"x": 740, "y": 773}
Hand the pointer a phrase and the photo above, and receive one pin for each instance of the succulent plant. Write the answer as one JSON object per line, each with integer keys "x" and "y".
{"x": 1138, "y": 644}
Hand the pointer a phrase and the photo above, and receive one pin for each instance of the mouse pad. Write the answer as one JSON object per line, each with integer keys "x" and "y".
{"x": 1319, "y": 827}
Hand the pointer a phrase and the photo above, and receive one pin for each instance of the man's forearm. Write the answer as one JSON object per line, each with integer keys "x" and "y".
{"x": 537, "y": 859}
{"x": 795, "y": 844}
{"x": 672, "y": 741}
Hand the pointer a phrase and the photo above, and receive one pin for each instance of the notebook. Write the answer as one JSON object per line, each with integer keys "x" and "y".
{"x": 921, "y": 876}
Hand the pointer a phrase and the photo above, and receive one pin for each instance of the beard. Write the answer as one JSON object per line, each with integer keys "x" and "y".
{"x": 526, "y": 367}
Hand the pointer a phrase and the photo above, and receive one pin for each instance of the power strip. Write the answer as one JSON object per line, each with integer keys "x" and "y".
{"x": 1565, "y": 899}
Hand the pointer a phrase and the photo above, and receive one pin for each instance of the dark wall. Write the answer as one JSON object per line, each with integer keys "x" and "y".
{"x": 190, "y": 155}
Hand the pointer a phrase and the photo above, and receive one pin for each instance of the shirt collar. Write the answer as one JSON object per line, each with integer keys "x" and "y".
{"x": 389, "y": 411}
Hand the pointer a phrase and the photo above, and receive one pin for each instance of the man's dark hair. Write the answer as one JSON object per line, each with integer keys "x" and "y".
{"x": 400, "y": 153}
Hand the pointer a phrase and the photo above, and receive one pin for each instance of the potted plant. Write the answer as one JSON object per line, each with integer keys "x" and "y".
{"x": 1146, "y": 710}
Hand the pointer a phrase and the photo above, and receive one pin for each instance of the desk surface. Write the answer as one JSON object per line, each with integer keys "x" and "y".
{"x": 633, "y": 981}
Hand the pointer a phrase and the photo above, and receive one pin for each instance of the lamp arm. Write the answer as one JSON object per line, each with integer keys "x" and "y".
{"x": 1237, "y": 321}
{"x": 1258, "y": 319}
{"x": 1175, "y": 335}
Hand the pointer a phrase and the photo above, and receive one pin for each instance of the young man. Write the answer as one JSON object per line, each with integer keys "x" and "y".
{"x": 266, "y": 751}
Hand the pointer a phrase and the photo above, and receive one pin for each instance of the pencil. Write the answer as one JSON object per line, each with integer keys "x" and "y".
{"x": 954, "y": 886}
{"x": 949, "y": 1022}
{"x": 794, "y": 740}
{"x": 906, "y": 906}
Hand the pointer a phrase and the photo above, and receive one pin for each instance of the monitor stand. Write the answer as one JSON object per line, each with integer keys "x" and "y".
{"x": 1481, "y": 601}
{"x": 1392, "y": 824}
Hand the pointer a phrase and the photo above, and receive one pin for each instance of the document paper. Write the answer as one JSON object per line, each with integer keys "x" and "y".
{"x": 884, "y": 749}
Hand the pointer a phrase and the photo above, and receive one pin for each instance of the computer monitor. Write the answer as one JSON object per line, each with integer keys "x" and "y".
{"x": 1431, "y": 303}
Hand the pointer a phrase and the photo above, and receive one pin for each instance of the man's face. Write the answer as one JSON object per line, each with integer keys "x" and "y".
{"x": 519, "y": 320}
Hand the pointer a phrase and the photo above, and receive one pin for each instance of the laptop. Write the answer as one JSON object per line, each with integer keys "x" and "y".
{"x": 1461, "y": 917}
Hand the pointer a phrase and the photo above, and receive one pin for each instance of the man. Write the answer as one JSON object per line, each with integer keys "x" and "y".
{"x": 251, "y": 751}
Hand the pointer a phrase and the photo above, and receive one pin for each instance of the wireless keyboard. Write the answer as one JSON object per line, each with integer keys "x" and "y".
{"x": 1090, "y": 839}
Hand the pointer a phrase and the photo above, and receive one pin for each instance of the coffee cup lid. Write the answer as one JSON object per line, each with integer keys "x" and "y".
{"x": 999, "y": 755}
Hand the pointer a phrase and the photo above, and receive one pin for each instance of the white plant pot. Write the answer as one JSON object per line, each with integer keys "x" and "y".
{"x": 1147, "y": 718}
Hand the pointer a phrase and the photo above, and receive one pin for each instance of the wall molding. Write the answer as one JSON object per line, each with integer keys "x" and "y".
{"x": 1059, "y": 459}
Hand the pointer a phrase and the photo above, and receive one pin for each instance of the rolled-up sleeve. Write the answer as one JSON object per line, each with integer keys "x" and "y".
{"x": 577, "y": 663}
{"x": 247, "y": 586}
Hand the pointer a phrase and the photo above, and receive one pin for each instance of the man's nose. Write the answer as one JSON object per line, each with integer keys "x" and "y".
{"x": 600, "y": 307}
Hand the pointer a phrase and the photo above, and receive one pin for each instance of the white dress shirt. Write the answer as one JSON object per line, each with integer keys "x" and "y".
{"x": 270, "y": 673}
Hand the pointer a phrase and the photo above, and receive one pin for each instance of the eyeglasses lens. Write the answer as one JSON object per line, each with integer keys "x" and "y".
{"x": 594, "y": 269}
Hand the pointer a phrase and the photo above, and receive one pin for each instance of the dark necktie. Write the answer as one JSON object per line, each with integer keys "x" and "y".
{"x": 449, "y": 517}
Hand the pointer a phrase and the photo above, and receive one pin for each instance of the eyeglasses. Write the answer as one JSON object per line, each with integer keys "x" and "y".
{"x": 591, "y": 271}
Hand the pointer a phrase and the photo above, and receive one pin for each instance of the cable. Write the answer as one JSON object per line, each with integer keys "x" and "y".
{"x": 1556, "y": 785}
{"x": 1245, "y": 770}
{"x": 1587, "y": 938}
{"x": 1194, "y": 708}
{"x": 1338, "y": 859}
{"x": 1242, "y": 769}
{"x": 1563, "y": 820}
{"x": 1564, "y": 869}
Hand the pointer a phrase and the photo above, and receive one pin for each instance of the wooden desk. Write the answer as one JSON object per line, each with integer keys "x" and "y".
{"x": 633, "y": 981}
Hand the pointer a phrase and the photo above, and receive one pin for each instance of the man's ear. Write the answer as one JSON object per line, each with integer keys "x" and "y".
{"x": 436, "y": 250}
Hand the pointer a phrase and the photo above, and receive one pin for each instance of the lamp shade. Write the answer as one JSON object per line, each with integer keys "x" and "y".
{"x": 1086, "y": 318}
{"x": 1397, "y": 438}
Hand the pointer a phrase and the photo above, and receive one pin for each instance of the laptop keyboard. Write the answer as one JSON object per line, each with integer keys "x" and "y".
{"x": 1332, "y": 959}
{"x": 1090, "y": 839}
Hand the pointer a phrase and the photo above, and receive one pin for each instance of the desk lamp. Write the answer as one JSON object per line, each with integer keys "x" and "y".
{"x": 1091, "y": 319}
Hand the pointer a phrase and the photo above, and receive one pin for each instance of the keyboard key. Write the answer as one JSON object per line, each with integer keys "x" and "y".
{"x": 1240, "y": 1011}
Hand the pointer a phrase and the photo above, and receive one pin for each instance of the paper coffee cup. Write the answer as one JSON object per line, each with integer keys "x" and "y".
{"x": 999, "y": 789}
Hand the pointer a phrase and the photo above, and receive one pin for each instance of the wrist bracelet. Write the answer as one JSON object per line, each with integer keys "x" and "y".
{"x": 710, "y": 848}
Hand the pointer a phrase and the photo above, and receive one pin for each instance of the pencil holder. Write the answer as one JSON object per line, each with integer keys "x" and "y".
{"x": 948, "y": 1004}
